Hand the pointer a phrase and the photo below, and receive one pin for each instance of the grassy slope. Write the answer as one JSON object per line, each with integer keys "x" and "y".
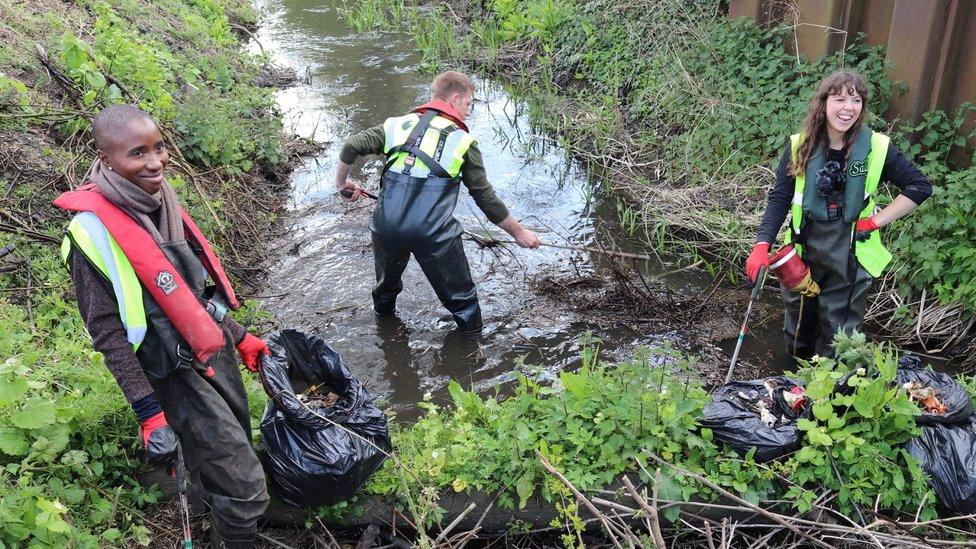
{"x": 67, "y": 444}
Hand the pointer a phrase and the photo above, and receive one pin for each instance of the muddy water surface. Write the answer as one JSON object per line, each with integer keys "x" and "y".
{"x": 324, "y": 274}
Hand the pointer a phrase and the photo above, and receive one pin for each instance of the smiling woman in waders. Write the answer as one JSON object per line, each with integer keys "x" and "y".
{"x": 828, "y": 181}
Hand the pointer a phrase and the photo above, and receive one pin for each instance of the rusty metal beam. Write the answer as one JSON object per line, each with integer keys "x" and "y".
{"x": 753, "y": 9}
{"x": 914, "y": 47}
{"x": 820, "y": 28}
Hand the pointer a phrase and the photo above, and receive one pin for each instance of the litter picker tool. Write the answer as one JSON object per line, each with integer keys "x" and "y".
{"x": 184, "y": 504}
{"x": 756, "y": 287}
{"x": 489, "y": 241}
{"x": 347, "y": 193}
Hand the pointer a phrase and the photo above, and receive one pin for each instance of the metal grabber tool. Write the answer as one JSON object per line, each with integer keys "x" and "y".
{"x": 184, "y": 504}
{"x": 756, "y": 287}
{"x": 347, "y": 193}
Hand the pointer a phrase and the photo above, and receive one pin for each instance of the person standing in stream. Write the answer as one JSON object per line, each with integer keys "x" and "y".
{"x": 429, "y": 152}
{"x": 827, "y": 181}
{"x": 140, "y": 265}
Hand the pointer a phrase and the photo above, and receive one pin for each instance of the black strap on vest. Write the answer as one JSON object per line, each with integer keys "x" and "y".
{"x": 412, "y": 147}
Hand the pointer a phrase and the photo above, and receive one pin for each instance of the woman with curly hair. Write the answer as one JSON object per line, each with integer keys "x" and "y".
{"x": 828, "y": 181}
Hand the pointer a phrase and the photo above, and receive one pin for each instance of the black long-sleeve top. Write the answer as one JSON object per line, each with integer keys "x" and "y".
{"x": 897, "y": 169}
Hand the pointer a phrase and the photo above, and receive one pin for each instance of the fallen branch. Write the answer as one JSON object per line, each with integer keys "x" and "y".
{"x": 455, "y": 522}
{"x": 582, "y": 499}
{"x": 651, "y": 513}
{"x": 752, "y": 507}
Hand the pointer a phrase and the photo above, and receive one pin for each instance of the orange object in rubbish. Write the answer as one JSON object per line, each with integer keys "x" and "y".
{"x": 933, "y": 405}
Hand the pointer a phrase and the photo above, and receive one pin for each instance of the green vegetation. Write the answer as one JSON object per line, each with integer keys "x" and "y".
{"x": 686, "y": 113}
{"x": 68, "y": 447}
{"x": 604, "y": 420}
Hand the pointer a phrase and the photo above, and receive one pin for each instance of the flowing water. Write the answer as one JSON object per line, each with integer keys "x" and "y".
{"x": 323, "y": 277}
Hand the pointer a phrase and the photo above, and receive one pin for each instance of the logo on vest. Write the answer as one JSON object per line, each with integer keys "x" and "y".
{"x": 859, "y": 168}
{"x": 166, "y": 282}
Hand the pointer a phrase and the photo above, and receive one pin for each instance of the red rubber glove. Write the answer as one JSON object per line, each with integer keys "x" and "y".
{"x": 251, "y": 348}
{"x": 758, "y": 258}
{"x": 159, "y": 439}
{"x": 863, "y": 228}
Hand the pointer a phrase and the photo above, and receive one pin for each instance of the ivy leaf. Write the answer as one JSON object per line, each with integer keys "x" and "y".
{"x": 34, "y": 415}
{"x": 12, "y": 442}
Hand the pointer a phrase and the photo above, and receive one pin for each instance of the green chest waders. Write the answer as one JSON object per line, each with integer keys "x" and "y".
{"x": 844, "y": 284}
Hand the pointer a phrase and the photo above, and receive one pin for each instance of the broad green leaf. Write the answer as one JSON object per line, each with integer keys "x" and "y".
{"x": 707, "y": 434}
{"x": 897, "y": 478}
{"x": 524, "y": 487}
{"x": 12, "y": 390}
{"x": 823, "y": 410}
{"x": 34, "y": 414}
{"x": 13, "y": 442}
{"x": 574, "y": 383}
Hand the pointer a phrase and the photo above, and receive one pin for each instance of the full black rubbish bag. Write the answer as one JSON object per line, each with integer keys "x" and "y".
{"x": 735, "y": 419}
{"x": 947, "y": 453}
{"x": 317, "y": 454}
{"x": 953, "y": 395}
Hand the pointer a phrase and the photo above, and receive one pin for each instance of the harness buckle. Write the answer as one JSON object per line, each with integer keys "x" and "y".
{"x": 184, "y": 356}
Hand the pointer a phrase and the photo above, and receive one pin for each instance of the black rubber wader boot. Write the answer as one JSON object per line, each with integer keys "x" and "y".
{"x": 209, "y": 414}
{"x": 416, "y": 216}
{"x": 844, "y": 286}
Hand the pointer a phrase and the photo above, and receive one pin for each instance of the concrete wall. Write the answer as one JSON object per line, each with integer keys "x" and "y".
{"x": 930, "y": 44}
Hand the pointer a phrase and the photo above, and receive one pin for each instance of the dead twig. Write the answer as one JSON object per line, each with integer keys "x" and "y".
{"x": 651, "y": 513}
{"x": 612, "y": 531}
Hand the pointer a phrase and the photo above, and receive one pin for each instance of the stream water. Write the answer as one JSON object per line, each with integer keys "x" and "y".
{"x": 323, "y": 277}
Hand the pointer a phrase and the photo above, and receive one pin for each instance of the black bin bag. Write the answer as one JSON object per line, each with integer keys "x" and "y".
{"x": 317, "y": 455}
{"x": 953, "y": 395}
{"x": 735, "y": 420}
{"x": 947, "y": 453}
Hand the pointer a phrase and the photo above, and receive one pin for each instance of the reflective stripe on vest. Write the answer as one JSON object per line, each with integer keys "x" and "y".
{"x": 871, "y": 254}
{"x": 446, "y": 147}
{"x": 89, "y": 236}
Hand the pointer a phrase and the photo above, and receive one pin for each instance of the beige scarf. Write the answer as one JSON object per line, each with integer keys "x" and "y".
{"x": 138, "y": 203}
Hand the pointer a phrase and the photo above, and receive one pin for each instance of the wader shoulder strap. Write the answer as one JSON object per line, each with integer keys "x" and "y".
{"x": 412, "y": 147}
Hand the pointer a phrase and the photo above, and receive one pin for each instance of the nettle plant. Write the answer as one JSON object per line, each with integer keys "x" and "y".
{"x": 854, "y": 444}
{"x": 933, "y": 248}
